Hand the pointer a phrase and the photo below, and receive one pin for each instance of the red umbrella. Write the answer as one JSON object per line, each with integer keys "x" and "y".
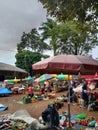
{"x": 67, "y": 64}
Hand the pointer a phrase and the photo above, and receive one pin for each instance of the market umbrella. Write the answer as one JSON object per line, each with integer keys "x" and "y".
{"x": 45, "y": 77}
{"x": 27, "y": 79}
{"x": 61, "y": 76}
{"x": 95, "y": 77}
{"x": 12, "y": 80}
{"x": 54, "y": 75}
{"x": 67, "y": 77}
{"x": 67, "y": 64}
{"x": 36, "y": 80}
{"x": 4, "y": 91}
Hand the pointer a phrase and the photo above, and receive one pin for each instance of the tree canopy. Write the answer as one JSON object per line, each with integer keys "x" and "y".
{"x": 30, "y": 50}
{"x": 50, "y": 31}
{"x": 82, "y": 10}
{"x": 78, "y": 24}
{"x": 32, "y": 41}
{"x": 26, "y": 58}
{"x": 70, "y": 37}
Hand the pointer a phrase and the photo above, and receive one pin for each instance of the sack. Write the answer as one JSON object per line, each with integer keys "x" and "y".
{"x": 92, "y": 123}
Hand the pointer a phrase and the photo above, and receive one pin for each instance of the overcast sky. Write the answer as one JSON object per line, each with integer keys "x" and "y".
{"x": 16, "y": 17}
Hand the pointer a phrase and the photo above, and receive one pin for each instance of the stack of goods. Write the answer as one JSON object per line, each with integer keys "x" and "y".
{"x": 13, "y": 125}
{"x": 39, "y": 97}
{"x": 64, "y": 122}
{"x": 62, "y": 98}
{"x": 26, "y": 99}
{"x": 6, "y": 123}
{"x": 88, "y": 122}
{"x": 34, "y": 99}
{"x": 78, "y": 122}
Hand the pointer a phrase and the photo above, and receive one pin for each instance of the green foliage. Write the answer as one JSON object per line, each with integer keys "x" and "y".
{"x": 50, "y": 31}
{"x": 26, "y": 58}
{"x": 83, "y": 10}
{"x": 70, "y": 37}
{"x": 84, "y": 32}
{"x": 26, "y": 99}
{"x": 33, "y": 41}
{"x": 30, "y": 50}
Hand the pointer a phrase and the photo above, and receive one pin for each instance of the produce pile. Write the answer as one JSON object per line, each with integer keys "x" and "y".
{"x": 88, "y": 122}
{"x": 79, "y": 121}
{"x": 13, "y": 125}
{"x": 27, "y": 99}
{"x": 9, "y": 124}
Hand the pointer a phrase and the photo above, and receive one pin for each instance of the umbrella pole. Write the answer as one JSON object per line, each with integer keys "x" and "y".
{"x": 69, "y": 125}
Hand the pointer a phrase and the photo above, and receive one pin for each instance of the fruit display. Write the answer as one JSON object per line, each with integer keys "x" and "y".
{"x": 88, "y": 122}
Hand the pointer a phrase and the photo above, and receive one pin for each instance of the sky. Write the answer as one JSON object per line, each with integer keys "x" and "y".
{"x": 16, "y": 17}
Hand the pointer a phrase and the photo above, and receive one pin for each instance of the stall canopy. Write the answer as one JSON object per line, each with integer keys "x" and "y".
{"x": 67, "y": 64}
{"x": 45, "y": 77}
{"x": 10, "y": 71}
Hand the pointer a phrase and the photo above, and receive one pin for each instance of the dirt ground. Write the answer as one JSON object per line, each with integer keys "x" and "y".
{"x": 36, "y": 108}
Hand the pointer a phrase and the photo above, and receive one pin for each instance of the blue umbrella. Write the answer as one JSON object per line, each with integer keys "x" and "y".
{"x": 5, "y": 91}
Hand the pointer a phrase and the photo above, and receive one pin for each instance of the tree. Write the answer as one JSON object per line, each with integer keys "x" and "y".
{"x": 26, "y": 58}
{"x": 70, "y": 37}
{"x": 83, "y": 10}
{"x": 84, "y": 13}
{"x": 32, "y": 41}
{"x": 50, "y": 32}
{"x": 30, "y": 50}
{"x": 75, "y": 39}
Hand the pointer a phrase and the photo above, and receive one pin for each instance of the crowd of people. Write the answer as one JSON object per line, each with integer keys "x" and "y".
{"x": 86, "y": 98}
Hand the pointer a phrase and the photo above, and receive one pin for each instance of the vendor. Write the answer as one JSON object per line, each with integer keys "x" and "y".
{"x": 50, "y": 115}
{"x": 42, "y": 90}
{"x": 30, "y": 91}
{"x": 92, "y": 101}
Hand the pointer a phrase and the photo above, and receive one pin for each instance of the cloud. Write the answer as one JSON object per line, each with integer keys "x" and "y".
{"x": 16, "y": 17}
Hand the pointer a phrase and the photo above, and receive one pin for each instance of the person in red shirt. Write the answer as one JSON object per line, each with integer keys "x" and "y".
{"x": 30, "y": 91}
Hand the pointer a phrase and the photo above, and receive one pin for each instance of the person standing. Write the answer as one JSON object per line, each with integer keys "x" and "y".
{"x": 84, "y": 95}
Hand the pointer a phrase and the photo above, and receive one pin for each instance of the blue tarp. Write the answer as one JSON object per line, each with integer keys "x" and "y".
{"x": 4, "y": 91}
{"x": 3, "y": 108}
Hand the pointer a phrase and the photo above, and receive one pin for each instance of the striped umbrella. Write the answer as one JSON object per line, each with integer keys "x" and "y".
{"x": 66, "y": 77}
{"x": 45, "y": 77}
